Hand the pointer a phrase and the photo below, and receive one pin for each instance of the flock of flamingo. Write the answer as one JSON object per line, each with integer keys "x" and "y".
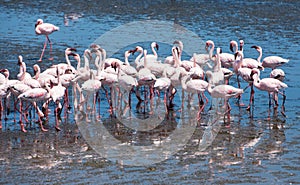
{"x": 148, "y": 73}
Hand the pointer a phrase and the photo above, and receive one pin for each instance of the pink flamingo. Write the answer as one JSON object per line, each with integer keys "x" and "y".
{"x": 46, "y": 29}
{"x": 270, "y": 85}
{"x": 35, "y": 95}
{"x": 277, "y": 74}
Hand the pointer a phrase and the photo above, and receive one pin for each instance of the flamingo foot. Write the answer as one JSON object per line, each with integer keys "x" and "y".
{"x": 42, "y": 128}
{"x": 283, "y": 111}
{"x": 23, "y": 127}
{"x": 248, "y": 108}
{"x": 51, "y": 58}
{"x": 57, "y": 128}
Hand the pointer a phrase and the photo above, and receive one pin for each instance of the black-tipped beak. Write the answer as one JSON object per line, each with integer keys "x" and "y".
{"x": 157, "y": 46}
{"x": 231, "y": 47}
{"x": 255, "y": 47}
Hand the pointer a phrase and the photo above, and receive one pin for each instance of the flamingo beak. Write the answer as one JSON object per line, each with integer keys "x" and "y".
{"x": 156, "y": 46}
{"x": 206, "y": 47}
{"x": 231, "y": 47}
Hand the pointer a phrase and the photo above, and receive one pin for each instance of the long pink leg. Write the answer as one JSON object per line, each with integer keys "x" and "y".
{"x": 45, "y": 44}
{"x": 40, "y": 114}
{"x": 50, "y": 43}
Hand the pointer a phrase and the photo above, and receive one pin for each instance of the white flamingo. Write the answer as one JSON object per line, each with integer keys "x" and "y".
{"x": 152, "y": 57}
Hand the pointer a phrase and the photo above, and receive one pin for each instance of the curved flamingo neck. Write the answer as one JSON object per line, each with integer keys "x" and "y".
{"x": 126, "y": 58}
{"x": 37, "y": 73}
{"x": 259, "y": 56}
{"x": 78, "y": 62}
{"x": 67, "y": 59}
{"x": 217, "y": 66}
{"x": 145, "y": 59}
{"x": 86, "y": 62}
{"x": 137, "y": 59}
{"x": 153, "y": 50}
{"x": 211, "y": 51}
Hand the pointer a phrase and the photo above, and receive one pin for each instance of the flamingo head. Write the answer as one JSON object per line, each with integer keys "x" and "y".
{"x": 69, "y": 50}
{"x": 94, "y": 47}
{"x": 238, "y": 55}
{"x": 20, "y": 60}
{"x": 258, "y": 48}
{"x": 115, "y": 65}
{"x": 5, "y": 72}
{"x": 179, "y": 43}
{"x": 219, "y": 50}
{"x": 253, "y": 72}
{"x": 232, "y": 45}
{"x": 128, "y": 52}
{"x": 208, "y": 44}
{"x": 36, "y": 68}
{"x": 88, "y": 53}
{"x": 138, "y": 48}
{"x": 154, "y": 45}
{"x": 38, "y": 22}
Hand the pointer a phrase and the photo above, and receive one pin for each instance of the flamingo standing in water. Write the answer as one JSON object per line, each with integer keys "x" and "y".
{"x": 46, "y": 29}
{"x": 35, "y": 95}
{"x": 223, "y": 91}
{"x": 271, "y": 85}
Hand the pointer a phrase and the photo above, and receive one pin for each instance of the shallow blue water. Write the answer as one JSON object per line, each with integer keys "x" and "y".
{"x": 250, "y": 150}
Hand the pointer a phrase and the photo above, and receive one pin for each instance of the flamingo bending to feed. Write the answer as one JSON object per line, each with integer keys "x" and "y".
{"x": 46, "y": 29}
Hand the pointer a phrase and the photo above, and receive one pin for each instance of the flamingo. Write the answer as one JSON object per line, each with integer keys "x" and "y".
{"x": 16, "y": 90}
{"x": 223, "y": 91}
{"x": 145, "y": 76}
{"x": 227, "y": 59}
{"x": 163, "y": 83}
{"x": 195, "y": 86}
{"x": 127, "y": 68}
{"x": 35, "y": 95}
{"x": 25, "y": 77}
{"x": 3, "y": 91}
{"x": 83, "y": 74}
{"x": 108, "y": 79}
{"x": 202, "y": 59}
{"x": 105, "y": 61}
{"x": 277, "y": 74}
{"x": 46, "y": 29}
{"x": 274, "y": 61}
{"x": 270, "y": 85}
{"x": 62, "y": 66}
{"x": 42, "y": 78}
{"x": 57, "y": 93}
{"x": 218, "y": 75}
{"x": 90, "y": 86}
{"x": 152, "y": 57}
{"x": 253, "y": 63}
{"x": 126, "y": 82}
{"x": 170, "y": 59}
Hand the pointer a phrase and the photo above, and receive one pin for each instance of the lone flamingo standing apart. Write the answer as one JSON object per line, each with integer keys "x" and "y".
{"x": 46, "y": 29}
